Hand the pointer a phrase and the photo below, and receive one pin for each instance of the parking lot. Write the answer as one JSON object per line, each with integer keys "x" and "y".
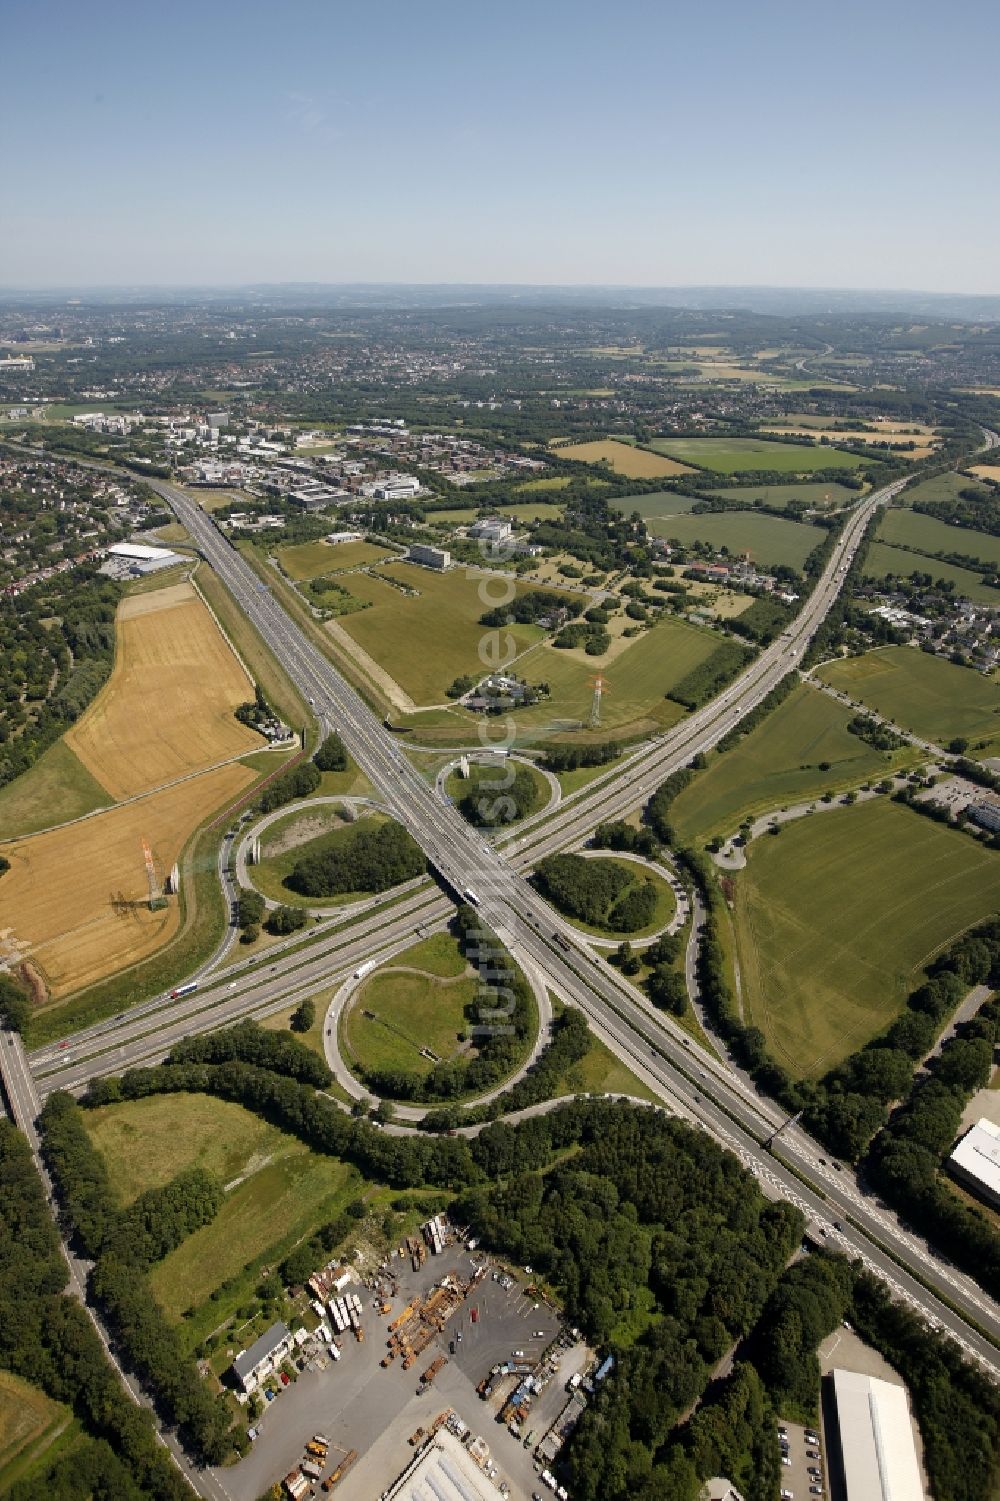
{"x": 360, "y": 1405}
{"x": 802, "y": 1454}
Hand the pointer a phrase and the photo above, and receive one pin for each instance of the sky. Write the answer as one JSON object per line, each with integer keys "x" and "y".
{"x": 728, "y": 142}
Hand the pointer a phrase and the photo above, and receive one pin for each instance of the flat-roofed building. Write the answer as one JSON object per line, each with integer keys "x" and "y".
{"x": 878, "y": 1455}
{"x": 430, "y": 557}
{"x": 976, "y": 1161}
{"x": 443, "y": 1471}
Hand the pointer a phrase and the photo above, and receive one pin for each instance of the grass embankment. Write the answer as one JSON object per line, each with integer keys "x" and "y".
{"x": 837, "y": 916}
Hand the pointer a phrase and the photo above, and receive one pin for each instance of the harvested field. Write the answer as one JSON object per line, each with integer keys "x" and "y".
{"x": 987, "y": 471}
{"x": 633, "y": 463}
{"x": 74, "y": 900}
{"x": 167, "y": 709}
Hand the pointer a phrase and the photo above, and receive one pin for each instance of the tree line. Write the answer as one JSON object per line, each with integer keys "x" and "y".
{"x": 123, "y": 1244}
{"x": 47, "y": 1338}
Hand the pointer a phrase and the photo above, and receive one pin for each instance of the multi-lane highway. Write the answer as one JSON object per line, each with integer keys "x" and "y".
{"x": 693, "y": 1081}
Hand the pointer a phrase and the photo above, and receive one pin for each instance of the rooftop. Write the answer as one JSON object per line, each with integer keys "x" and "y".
{"x": 248, "y": 1360}
{"x": 878, "y": 1450}
{"x": 978, "y": 1155}
{"x": 443, "y": 1472}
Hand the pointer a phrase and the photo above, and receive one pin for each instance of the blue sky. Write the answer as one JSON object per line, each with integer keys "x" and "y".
{"x": 727, "y": 141}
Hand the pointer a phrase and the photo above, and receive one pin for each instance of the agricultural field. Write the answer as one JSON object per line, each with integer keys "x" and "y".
{"x": 520, "y": 512}
{"x": 768, "y": 539}
{"x": 635, "y": 682}
{"x": 883, "y": 561}
{"x": 938, "y": 487}
{"x": 57, "y": 788}
{"x": 822, "y": 495}
{"x": 923, "y": 438}
{"x": 416, "y": 1005}
{"x": 659, "y": 503}
{"x": 167, "y": 709}
{"x": 307, "y": 832}
{"x": 633, "y": 463}
{"x": 925, "y": 694}
{"x": 731, "y": 455}
{"x": 779, "y": 764}
{"x": 987, "y": 471}
{"x": 310, "y": 560}
{"x": 426, "y": 640}
{"x": 29, "y": 1424}
{"x": 836, "y": 918}
{"x": 75, "y": 899}
{"x": 901, "y": 527}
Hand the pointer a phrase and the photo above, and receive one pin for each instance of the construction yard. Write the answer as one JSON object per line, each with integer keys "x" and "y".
{"x": 435, "y": 1331}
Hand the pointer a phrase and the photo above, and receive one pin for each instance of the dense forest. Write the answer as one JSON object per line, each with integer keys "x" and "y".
{"x": 370, "y": 859}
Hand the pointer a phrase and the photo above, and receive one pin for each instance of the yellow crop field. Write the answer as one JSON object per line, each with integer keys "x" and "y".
{"x": 167, "y": 709}
{"x": 633, "y": 463}
{"x": 923, "y": 437}
{"x": 74, "y": 898}
{"x": 987, "y": 471}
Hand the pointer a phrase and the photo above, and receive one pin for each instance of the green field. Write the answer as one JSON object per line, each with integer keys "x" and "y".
{"x": 418, "y": 1000}
{"x": 284, "y": 1195}
{"x": 768, "y": 539}
{"x": 309, "y": 560}
{"x": 30, "y": 1422}
{"x": 905, "y": 528}
{"x": 778, "y": 765}
{"x": 657, "y": 503}
{"x": 883, "y": 561}
{"x": 925, "y": 694}
{"x": 57, "y": 788}
{"x": 821, "y": 494}
{"x": 732, "y": 455}
{"x": 940, "y": 487}
{"x": 277, "y": 863}
{"x": 147, "y": 1142}
{"x": 519, "y": 511}
{"x": 635, "y": 682}
{"x": 836, "y": 918}
{"x": 426, "y": 641}
{"x": 489, "y": 781}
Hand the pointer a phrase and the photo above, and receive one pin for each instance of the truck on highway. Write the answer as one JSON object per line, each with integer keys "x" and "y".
{"x": 187, "y": 989}
{"x": 364, "y": 969}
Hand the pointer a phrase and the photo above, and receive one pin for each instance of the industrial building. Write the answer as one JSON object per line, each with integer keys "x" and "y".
{"x": 430, "y": 557}
{"x": 493, "y": 529}
{"x": 877, "y": 1453}
{"x": 987, "y": 815}
{"x": 975, "y": 1162}
{"x": 133, "y": 560}
{"x": 253, "y": 1366}
{"x": 443, "y": 1471}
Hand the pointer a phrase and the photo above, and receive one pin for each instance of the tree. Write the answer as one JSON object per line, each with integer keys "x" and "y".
{"x": 15, "y": 1007}
{"x": 250, "y": 907}
{"x": 285, "y": 920}
{"x": 667, "y": 989}
{"x": 332, "y": 754}
{"x": 304, "y": 1016}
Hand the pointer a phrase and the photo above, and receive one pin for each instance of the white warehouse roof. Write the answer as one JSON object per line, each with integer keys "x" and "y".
{"x": 977, "y": 1156}
{"x": 876, "y": 1439}
{"x": 444, "y": 1472}
{"x": 140, "y": 553}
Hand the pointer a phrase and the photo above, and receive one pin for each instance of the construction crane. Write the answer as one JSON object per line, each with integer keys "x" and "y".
{"x": 156, "y": 897}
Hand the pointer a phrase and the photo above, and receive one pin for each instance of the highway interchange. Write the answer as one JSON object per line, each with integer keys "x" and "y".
{"x": 691, "y": 1081}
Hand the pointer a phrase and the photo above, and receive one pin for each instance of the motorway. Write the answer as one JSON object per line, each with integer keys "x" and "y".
{"x": 692, "y": 1081}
